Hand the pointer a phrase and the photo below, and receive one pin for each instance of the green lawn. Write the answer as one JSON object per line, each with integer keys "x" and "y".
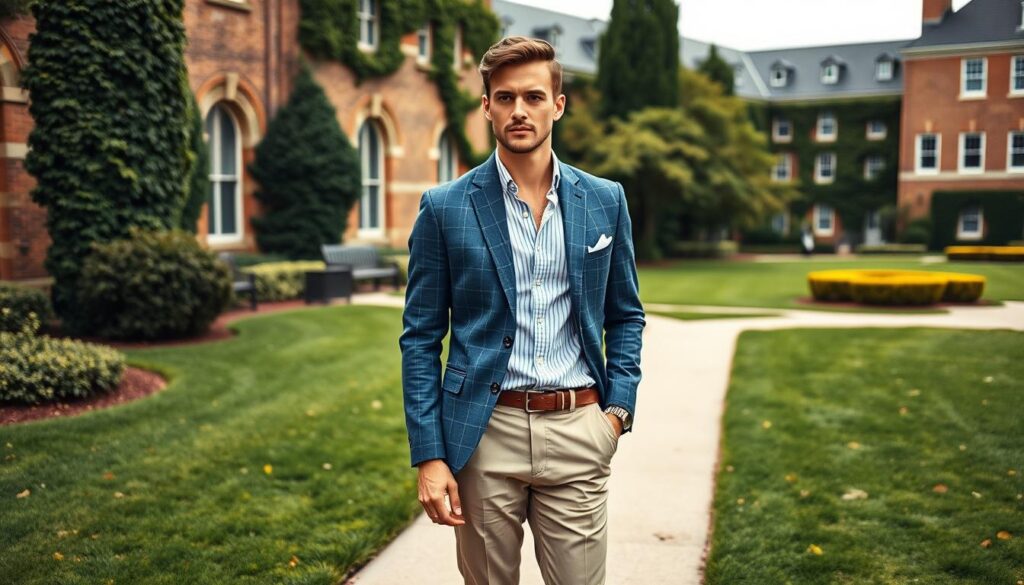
{"x": 173, "y": 488}
{"x": 695, "y": 316}
{"x": 832, "y": 400}
{"x": 778, "y": 284}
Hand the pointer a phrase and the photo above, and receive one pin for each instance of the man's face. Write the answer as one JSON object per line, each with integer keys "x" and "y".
{"x": 522, "y": 108}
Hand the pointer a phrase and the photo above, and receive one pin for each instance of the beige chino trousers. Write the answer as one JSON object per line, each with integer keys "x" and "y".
{"x": 551, "y": 468}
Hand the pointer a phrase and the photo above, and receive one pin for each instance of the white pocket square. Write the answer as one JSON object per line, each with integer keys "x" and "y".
{"x": 601, "y": 244}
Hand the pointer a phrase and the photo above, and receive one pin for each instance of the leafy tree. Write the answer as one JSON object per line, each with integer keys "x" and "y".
{"x": 109, "y": 145}
{"x": 308, "y": 175}
{"x": 639, "y": 56}
{"x": 10, "y": 8}
{"x": 719, "y": 70}
{"x": 197, "y": 190}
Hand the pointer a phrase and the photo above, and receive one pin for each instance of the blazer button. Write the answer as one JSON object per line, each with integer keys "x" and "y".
{"x": 495, "y": 387}
{"x": 507, "y": 341}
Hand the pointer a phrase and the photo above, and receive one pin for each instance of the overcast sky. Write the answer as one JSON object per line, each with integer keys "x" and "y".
{"x": 768, "y": 24}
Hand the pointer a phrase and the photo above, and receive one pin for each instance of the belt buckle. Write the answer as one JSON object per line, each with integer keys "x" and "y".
{"x": 526, "y": 402}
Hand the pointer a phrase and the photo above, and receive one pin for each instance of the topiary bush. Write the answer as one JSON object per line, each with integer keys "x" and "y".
{"x": 36, "y": 369}
{"x": 18, "y": 303}
{"x": 154, "y": 285}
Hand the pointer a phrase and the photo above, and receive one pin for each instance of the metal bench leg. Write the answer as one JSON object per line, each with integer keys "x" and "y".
{"x": 376, "y": 284}
{"x": 252, "y": 297}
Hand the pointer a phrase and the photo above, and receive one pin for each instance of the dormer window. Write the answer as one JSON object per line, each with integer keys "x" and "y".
{"x": 830, "y": 69}
{"x": 589, "y": 46}
{"x": 550, "y": 34}
{"x": 885, "y": 67}
{"x": 506, "y": 25}
{"x": 779, "y": 77}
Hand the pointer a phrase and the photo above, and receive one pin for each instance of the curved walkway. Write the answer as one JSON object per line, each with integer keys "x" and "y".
{"x": 662, "y": 480}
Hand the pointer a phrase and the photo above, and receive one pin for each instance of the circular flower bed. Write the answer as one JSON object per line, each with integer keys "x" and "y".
{"x": 993, "y": 253}
{"x": 895, "y": 287}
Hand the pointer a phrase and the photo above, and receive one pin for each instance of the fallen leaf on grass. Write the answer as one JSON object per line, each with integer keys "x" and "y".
{"x": 740, "y": 501}
{"x": 853, "y": 445}
{"x": 729, "y": 468}
{"x": 1011, "y": 472}
{"x": 815, "y": 549}
{"x": 58, "y": 557}
{"x": 376, "y": 405}
{"x": 766, "y": 424}
{"x": 914, "y": 392}
{"x": 986, "y": 543}
{"x": 976, "y": 494}
{"x": 118, "y": 495}
{"x": 790, "y": 477}
{"x": 327, "y": 466}
{"x": 293, "y": 561}
{"x": 805, "y": 493}
{"x": 268, "y": 469}
{"x": 940, "y": 488}
{"x": 108, "y": 475}
{"x": 903, "y": 410}
{"x": 24, "y": 494}
{"x": 1003, "y": 535}
{"x": 855, "y": 494}
{"x": 963, "y": 447}
{"x": 988, "y": 379}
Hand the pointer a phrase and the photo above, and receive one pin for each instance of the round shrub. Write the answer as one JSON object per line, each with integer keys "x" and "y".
{"x": 902, "y": 289}
{"x": 36, "y": 369}
{"x": 895, "y": 287}
{"x": 18, "y": 302}
{"x": 154, "y": 285}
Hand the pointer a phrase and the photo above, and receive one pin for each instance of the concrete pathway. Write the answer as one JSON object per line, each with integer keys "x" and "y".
{"x": 662, "y": 479}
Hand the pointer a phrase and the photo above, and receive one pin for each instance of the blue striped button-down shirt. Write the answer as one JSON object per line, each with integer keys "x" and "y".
{"x": 546, "y": 353}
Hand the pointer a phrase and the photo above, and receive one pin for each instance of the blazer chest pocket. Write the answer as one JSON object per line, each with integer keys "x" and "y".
{"x": 453, "y": 380}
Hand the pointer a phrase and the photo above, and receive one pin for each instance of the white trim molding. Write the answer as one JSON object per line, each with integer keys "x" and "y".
{"x": 966, "y": 93}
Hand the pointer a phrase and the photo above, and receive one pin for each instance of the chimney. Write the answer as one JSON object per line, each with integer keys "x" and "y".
{"x": 933, "y": 11}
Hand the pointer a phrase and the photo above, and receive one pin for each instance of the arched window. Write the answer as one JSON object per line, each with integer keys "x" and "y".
{"x": 371, "y": 204}
{"x": 448, "y": 159}
{"x": 225, "y": 203}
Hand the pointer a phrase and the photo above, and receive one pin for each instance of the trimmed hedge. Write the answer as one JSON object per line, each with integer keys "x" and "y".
{"x": 892, "y": 249}
{"x": 895, "y": 287}
{"x": 996, "y": 253}
{"x": 18, "y": 303}
{"x": 36, "y": 369}
{"x": 698, "y": 249}
{"x": 1003, "y": 213}
{"x": 156, "y": 285}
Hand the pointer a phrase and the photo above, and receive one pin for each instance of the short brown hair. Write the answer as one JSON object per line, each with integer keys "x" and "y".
{"x": 515, "y": 51}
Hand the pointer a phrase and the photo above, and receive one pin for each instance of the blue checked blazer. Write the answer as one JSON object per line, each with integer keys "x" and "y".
{"x": 461, "y": 274}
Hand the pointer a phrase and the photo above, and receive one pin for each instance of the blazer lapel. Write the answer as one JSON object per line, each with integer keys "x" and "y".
{"x": 489, "y": 205}
{"x": 573, "y": 202}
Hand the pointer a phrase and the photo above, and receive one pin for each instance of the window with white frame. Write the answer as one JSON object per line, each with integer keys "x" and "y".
{"x": 827, "y": 127}
{"x": 1015, "y": 152}
{"x": 830, "y": 73}
{"x": 969, "y": 223}
{"x": 371, "y": 202}
{"x": 448, "y": 159}
{"x": 874, "y": 164}
{"x": 876, "y": 130}
{"x": 457, "y": 55}
{"x": 883, "y": 70}
{"x": 782, "y": 130}
{"x": 973, "y": 77}
{"x": 928, "y": 149}
{"x": 780, "y": 222}
{"x": 1017, "y": 75}
{"x": 225, "y": 203}
{"x": 423, "y": 43}
{"x": 824, "y": 219}
{"x": 368, "y": 24}
{"x": 825, "y": 167}
{"x": 783, "y": 170}
{"x": 779, "y": 77}
{"x": 972, "y": 152}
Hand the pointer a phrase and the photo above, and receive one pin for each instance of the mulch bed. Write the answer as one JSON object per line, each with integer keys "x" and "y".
{"x": 137, "y": 383}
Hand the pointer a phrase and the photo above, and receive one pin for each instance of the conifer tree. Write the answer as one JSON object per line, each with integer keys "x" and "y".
{"x": 719, "y": 70}
{"x": 197, "y": 189}
{"x": 308, "y": 175}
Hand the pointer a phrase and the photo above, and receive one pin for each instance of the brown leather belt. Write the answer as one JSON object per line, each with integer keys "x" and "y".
{"x": 561, "y": 399}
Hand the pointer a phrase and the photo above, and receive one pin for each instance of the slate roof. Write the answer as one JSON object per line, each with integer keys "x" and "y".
{"x": 977, "y": 22}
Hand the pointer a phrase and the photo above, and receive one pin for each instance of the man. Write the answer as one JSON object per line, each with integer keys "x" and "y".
{"x": 530, "y": 260}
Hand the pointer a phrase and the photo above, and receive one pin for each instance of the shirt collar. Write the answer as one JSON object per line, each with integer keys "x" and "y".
{"x": 509, "y": 184}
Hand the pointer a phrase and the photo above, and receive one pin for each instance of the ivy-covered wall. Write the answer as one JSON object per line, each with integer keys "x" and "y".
{"x": 850, "y": 194}
{"x": 329, "y": 29}
{"x": 1002, "y": 213}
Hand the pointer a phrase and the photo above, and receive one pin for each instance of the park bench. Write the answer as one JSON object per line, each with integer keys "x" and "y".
{"x": 365, "y": 261}
{"x": 241, "y": 282}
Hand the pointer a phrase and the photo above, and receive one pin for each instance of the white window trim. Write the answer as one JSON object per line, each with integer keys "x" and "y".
{"x": 1009, "y": 152}
{"x": 239, "y": 234}
{"x": 875, "y": 135}
{"x": 787, "y": 157}
{"x": 867, "y": 166}
{"x": 817, "y": 221}
{"x": 918, "y": 169}
{"x": 1013, "y": 65}
{"x": 776, "y": 137}
{"x": 983, "y": 92}
{"x": 374, "y": 20}
{"x": 447, "y": 151}
{"x": 878, "y": 70}
{"x": 965, "y": 235}
{"x": 818, "y": 178}
{"x": 776, "y": 81}
{"x": 785, "y": 222}
{"x": 960, "y": 155}
{"x": 821, "y": 137}
{"x": 830, "y": 74}
{"x": 428, "y": 30}
{"x": 381, "y": 183}
{"x": 457, "y": 57}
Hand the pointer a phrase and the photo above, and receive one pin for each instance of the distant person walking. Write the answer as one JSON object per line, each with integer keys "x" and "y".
{"x": 530, "y": 262}
{"x": 806, "y": 242}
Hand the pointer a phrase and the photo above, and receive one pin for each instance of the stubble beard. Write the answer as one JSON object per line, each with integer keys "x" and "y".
{"x": 520, "y": 148}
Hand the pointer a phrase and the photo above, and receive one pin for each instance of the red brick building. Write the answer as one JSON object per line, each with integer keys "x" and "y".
{"x": 962, "y": 126}
{"x": 242, "y": 56}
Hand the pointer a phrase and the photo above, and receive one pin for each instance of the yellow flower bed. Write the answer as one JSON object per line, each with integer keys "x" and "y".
{"x": 895, "y": 287}
{"x": 998, "y": 253}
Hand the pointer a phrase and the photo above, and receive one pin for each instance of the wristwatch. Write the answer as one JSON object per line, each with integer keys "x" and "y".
{"x": 623, "y": 415}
